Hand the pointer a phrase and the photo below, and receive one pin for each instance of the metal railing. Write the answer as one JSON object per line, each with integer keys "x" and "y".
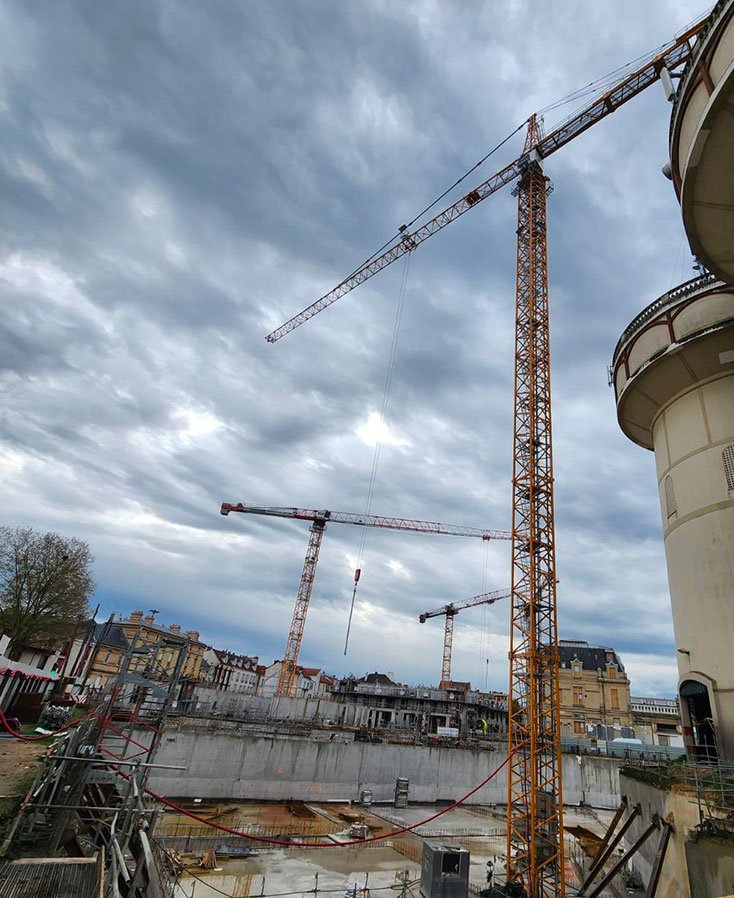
{"x": 711, "y": 784}
{"x": 667, "y": 299}
{"x": 643, "y": 751}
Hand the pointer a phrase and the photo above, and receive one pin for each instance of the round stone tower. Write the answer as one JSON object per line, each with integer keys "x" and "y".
{"x": 673, "y": 375}
{"x": 702, "y": 143}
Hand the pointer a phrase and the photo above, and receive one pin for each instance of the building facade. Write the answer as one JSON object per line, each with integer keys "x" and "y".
{"x": 673, "y": 375}
{"x": 657, "y": 721}
{"x": 146, "y": 631}
{"x": 26, "y": 682}
{"x": 230, "y": 672}
{"x": 595, "y": 691}
{"x": 307, "y": 683}
{"x": 423, "y": 709}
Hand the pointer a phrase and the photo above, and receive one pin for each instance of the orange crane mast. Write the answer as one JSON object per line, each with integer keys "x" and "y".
{"x": 319, "y": 519}
{"x": 535, "y": 861}
{"x": 449, "y": 612}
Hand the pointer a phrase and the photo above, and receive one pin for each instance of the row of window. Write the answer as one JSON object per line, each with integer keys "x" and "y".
{"x": 579, "y": 697}
{"x": 727, "y": 459}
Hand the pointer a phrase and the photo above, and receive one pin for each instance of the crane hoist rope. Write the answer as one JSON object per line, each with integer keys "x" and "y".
{"x": 386, "y": 393}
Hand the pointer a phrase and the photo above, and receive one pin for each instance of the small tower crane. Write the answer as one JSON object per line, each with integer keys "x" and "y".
{"x": 449, "y": 612}
{"x": 319, "y": 519}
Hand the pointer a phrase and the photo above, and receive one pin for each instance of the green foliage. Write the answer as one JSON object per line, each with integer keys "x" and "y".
{"x": 45, "y": 585}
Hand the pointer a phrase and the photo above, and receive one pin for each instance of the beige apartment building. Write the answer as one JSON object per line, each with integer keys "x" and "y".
{"x": 146, "y": 631}
{"x": 595, "y": 691}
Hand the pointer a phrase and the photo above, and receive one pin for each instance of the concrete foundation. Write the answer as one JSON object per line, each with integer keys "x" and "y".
{"x": 265, "y": 768}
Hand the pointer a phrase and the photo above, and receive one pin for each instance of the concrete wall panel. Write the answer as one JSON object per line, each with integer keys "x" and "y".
{"x": 224, "y": 766}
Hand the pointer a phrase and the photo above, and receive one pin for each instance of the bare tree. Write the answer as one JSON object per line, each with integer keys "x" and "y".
{"x": 45, "y": 585}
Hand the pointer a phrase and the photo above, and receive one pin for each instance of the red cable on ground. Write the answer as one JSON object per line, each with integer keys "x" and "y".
{"x": 62, "y": 729}
{"x": 233, "y": 832}
{"x": 395, "y": 832}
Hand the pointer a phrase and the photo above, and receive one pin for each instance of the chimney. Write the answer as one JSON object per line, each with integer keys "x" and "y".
{"x": 175, "y": 628}
{"x": 135, "y": 617}
{"x": 193, "y": 635}
{"x": 149, "y": 618}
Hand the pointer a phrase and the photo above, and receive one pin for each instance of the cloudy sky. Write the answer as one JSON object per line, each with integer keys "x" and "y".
{"x": 180, "y": 177}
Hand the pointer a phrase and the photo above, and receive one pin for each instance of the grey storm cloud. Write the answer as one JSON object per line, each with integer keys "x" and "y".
{"x": 178, "y": 178}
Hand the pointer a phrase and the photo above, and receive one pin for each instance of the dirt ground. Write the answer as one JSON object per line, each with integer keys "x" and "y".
{"x": 18, "y": 764}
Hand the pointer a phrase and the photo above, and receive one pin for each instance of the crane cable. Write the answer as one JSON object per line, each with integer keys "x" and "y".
{"x": 483, "y": 630}
{"x": 409, "y": 224}
{"x": 392, "y": 358}
{"x": 608, "y": 81}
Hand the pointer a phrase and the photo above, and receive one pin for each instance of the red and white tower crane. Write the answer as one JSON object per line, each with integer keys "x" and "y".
{"x": 319, "y": 519}
{"x": 449, "y": 612}
{"x": 535, "y": 795}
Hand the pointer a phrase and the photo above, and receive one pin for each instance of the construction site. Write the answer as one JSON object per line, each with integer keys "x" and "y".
{"x": 139, "y": 762}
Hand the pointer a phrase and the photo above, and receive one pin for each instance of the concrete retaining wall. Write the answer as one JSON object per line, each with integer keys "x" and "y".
{"x": 280, "y": 707}
{"x": 692, "y": 869}
{"x": 267, "y": 768}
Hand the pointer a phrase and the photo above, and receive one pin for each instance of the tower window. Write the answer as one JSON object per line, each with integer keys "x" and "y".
{"x": 728, "y": 458}
{"x": 670, "y": 503}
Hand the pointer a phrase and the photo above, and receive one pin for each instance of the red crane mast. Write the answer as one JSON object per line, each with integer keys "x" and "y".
{"x": 319, "y": 519}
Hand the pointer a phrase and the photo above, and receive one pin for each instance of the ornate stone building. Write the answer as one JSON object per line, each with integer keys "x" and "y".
{"x": 595, "y": 691}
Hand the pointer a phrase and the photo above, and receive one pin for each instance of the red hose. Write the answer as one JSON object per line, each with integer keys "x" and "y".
{"x": 62, "y": 729}
{"x": 395, "y": 832}
{"x": 233, "y": 832}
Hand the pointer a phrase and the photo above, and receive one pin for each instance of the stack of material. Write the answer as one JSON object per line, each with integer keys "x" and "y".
{"x": 73, "y": 877}
{"x": 209, "y": 860}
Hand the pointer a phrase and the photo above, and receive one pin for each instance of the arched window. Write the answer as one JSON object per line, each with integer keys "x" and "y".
{"x": 728, "y": 458}
{"x": 670, "y": 503}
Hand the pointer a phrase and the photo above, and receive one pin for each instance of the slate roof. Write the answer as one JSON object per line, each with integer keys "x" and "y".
{"x": 592, "y": 657}
{"x": 377, "y": 679}
{"x": 114, "y": 637}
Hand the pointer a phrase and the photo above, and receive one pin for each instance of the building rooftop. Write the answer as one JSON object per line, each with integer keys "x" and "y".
{"x": 111, "y": 635}
{"x": 377, "y": 679}
{"x": 592, "y": 657}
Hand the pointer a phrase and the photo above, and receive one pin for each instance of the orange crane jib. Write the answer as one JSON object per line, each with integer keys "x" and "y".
{"x": 671, "y": 57}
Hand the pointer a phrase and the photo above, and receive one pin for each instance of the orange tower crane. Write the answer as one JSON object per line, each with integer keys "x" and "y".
{"x": 319, "y": 519}
{"x": 535, "y": 795}
{"x": 449, "y": 612}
